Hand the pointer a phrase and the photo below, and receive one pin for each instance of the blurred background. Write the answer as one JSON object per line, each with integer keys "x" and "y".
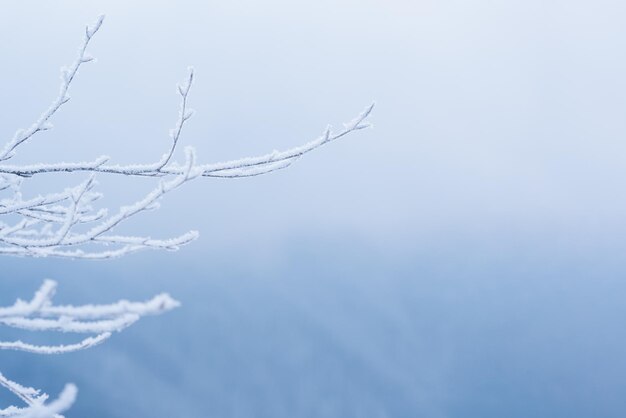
{"x": 464, "y": 258}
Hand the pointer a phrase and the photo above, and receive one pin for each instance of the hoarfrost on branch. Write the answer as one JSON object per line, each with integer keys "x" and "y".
{"x": 65, "y": 224}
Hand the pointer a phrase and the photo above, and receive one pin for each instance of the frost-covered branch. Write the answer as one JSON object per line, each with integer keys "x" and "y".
{"x": 243, "y": 167}
{"x": 68, "y": 224}
{"x": 53, "y": 224}
{"x": 35, "y": 401}
{"x": 40, "y": 314}
{"x": 27, "y": 238}
{"x": 67, "y": 76}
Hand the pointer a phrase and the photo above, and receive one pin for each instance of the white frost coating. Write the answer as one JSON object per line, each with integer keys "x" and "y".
{"x": 46, "y": 225}
{"x": 64, "y": 402}
{"x": 35, "y": 401}
{"x": 54, "y": 349}
{"x": 66, "y": 224}
{"x": 67, "y": 75}
{"x": 40, "y": 314}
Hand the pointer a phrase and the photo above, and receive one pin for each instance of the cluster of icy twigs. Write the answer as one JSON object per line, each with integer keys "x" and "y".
{"x": 65, "y": 224}
{"x": 40, "y": 314}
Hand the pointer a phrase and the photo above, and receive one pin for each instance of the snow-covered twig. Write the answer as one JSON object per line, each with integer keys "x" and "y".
{"x": 46, "y": 225}
{"x": 40, "y": 314}
{"x": 243, "y": 167}
{"x": 35, "y": 401}
{"x": 66, "y": 224}
{"x": 67, "y": 76}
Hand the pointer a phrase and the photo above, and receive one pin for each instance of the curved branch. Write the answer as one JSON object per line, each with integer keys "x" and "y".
{"x": 67, "y": 76}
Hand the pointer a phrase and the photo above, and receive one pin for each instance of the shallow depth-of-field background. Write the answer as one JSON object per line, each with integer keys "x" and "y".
{"x": 464, "y": 258}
